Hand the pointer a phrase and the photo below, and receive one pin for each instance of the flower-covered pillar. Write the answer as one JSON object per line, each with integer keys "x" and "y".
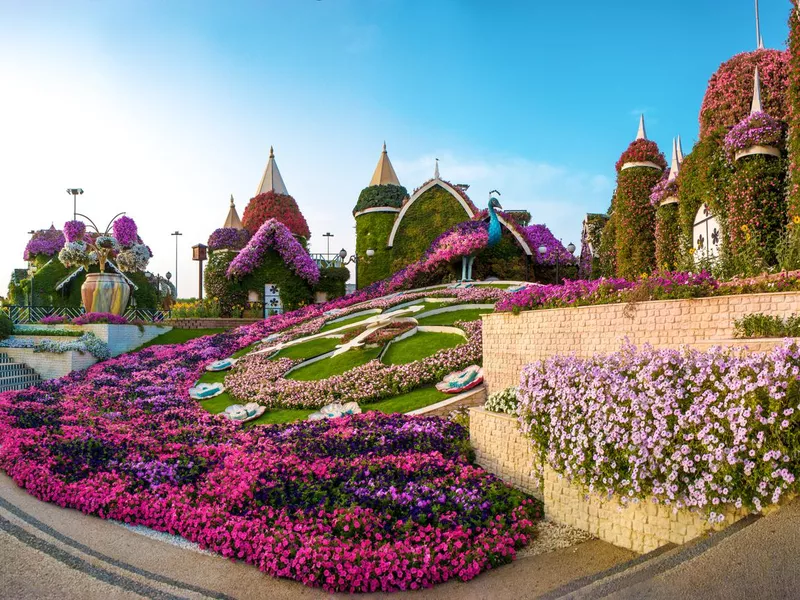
{"x": 639, "y": 169}
{"x": 668, "y": 231}
{"x": 793, "y": 102}
{"x": 755, "y": 201}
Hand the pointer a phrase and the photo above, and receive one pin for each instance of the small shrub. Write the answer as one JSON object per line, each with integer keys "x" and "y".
{"x": 6, "y": 326}
{"x": 503, "y": 402}
{"x": 759, "y": 325}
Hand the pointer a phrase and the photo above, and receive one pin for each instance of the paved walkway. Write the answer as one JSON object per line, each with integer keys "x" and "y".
{"x": 51, "y": 552}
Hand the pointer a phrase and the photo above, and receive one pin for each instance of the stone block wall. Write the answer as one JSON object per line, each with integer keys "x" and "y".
{"x": 51, "y": 365}
{"x": 641, "y": 527}
{"x": 512, "y": 341}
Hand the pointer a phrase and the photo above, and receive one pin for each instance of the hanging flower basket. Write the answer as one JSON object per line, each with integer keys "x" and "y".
{"x": 752, "y": 150}
{"x": 758, "y": 133}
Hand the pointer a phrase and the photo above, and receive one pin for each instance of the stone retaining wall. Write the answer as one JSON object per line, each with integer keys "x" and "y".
{"x": 512, "y": 341}
{"x": 51, "y": 365}
{"x": 501, "y": 449}
{"x": 197, "y": 323}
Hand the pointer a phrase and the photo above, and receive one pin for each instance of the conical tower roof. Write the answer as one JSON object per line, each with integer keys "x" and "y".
{"x": 232, "y": 221}
{"x": 384, "y": 172}
{"x": 676, "y": 166}
{"x": 756, "y": 105}
{"x": 272, "y": 181}
{"x": 642, "y": 133}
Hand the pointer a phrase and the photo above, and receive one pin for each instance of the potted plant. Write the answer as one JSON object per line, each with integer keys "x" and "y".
{"x": 119, "y": 245}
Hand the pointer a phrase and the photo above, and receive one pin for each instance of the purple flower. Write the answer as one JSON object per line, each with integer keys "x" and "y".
{"x": 125, "y": 231}
{"x": 45, "y": 242}
{"x": 757, "y": 129}
{"x": 228, "y": 238}
{"x": 74, "y": 231}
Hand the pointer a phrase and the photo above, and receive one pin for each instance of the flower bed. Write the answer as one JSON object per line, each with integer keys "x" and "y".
{"x": 359, "y": 504}
{"x": 88, "y": 343}
{"x": 757, "y": 129}
{"x": 699, "y": 430}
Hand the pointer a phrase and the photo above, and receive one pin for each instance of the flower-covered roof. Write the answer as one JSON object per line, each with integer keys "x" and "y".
{"x": 281, "y": 207}
{"x": 730, "y": 89}
{"x": 642, "y": 150}
{"x": 228, "y": 238}
{"x": 45, "y": 242}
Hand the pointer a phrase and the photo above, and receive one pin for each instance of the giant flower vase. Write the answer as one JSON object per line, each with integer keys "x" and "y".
{"x": 105, "y": 293}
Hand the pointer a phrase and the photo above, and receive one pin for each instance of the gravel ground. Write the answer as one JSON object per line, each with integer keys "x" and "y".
{"x": 552, "y": 536}
{"x": 162, "y": 536}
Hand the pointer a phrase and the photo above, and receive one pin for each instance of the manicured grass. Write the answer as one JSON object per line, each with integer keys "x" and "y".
{"x": 179, "y": 336}
{"x": 449, "y": 318}
{"x": 419, "y": 346}
{"x": 327, "y": 367}
{"x": 426, "y": 306}
{"x": 344, "y": 322}
{"x": 285, "y": 415}
{"x": 309, "y": 349}
{"x": 408, "y": 402}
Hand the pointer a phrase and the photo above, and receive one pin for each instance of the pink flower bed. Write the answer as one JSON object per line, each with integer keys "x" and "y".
{"x": 359, "y": 504}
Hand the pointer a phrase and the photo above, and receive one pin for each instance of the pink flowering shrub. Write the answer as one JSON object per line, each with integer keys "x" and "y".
{"x": 697, "y": 430}
{"x": 53, "y": 320}
{"x": 96, "y": 318}
{"x": 274, "y": 235}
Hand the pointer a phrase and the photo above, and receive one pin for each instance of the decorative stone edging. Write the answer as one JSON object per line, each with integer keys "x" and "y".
{"x": 756, "y": 150}
{"x": 669, "y": 200}
{"x": 643, "y": 163}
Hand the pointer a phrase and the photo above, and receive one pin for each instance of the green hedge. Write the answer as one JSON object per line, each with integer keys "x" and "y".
{"x": 295, "y": 291}
{"x": 433, "y": 213}
{"x": 376, "y": 196}
{"x": 793, "y": 102}
{"x": 668, "y": 231}
{"x": 607, "y": 251}
{"x": 372, "y": 232}
{"x": 635, "y": 233}
{"x": 6, "y": 326}
{"x": 332, "y": 281}
{"x": 505, "y": 261}
{"x": 230, "y": 294}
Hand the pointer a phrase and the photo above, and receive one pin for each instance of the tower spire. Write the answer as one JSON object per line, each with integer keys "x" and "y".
{"x": 384, "y": 172}
{"x": 756, "y": 106}
{"x": 436, "y": 170}
{"x": 680, "y": 151}
{"x": 271, "y": 180}
{"x": 759, "y": 39}
{"x": 675, "y": 166}
{"x": 233, "y": 221}
{"x": 642, "y": 133}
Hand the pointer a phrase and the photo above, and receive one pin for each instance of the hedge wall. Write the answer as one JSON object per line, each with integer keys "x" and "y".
{"x": 229, "y": 294}
{"x": 372, "y": 232}
{"x": 505, "y": 261}
{"x": 295, "y": 291}
{"x": 703, "y": 178}
{"x": 635, "y": 227}
{"x": 434, "y": 212}
{"x": 668, "y": 234}
{"x": 332, "y": 281}
{"x": 376, "y": 196}
{"x": 607, "y": 252}
{"x": 793, "y": 108}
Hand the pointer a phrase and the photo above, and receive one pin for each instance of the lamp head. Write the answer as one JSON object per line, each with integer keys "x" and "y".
{"x": 342, "y": 253}
{"x": 571, "y": 248}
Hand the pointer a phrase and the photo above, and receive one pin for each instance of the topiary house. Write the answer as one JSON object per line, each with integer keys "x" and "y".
{"x": 394, "y": 230}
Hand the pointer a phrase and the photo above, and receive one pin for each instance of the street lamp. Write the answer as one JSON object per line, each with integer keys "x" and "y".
{"x": 353, "y": 259}
{"x": 328, "y": 235}
{"x": 176, "y": 233}
{"x": 75, "y": 192}
{"x": 200, "y": 253}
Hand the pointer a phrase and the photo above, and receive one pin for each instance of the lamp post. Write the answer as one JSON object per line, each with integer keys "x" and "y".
{"x": 75, "y": 192}
{"x": 571, "y": 249}
{"x": 542, "y": 250}
{"x": 353, "y": 259}
{"x": 200, "y": 253}
{"x": 328, "y": 235}
{"x": 176, "y": 233}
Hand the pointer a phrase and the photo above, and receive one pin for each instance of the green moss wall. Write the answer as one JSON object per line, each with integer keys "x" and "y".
{"x": 433, "y": 213}
{"x": 506, "y": 261}
{"x": 372, "y": 231}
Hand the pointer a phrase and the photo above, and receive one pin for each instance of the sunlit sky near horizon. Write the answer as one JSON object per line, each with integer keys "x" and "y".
{"x": 165, "y": 109}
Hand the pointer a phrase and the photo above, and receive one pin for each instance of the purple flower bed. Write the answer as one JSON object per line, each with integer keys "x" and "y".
{"x": 757, "y": 129}
{"x": 53, "y": 320}
{"x": 698, "y": 430}
{"x": 540, "y": 235}
{"x": 660, "y": 286}
{"x": 99, "y": 318}
{"x": 664, "y": 189}
{"x": 274, "y": 235}
{"x": 45, "y": 242}
{"x": 228, "y": 238}
{"x": 358, "y": 504}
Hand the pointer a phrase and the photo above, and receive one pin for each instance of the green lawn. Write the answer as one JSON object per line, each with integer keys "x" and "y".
{"x": 309, "y": 349}
{"x": 425, "y": 307}
{"x": 419, "y": 346}
{"x": 449, "y": 318}
{"x": 328, "y": 367}
{"x": 179, "y": 336}
{"x": 408, "y": 402}
{"x": 344, "y": 322}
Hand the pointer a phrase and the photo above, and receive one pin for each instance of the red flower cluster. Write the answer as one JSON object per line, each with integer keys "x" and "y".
{"x": 642, "y": 151}
{"x": 281, "y": 207}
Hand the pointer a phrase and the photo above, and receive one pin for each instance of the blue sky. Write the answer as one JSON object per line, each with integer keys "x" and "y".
{"x": 164, "y": 109}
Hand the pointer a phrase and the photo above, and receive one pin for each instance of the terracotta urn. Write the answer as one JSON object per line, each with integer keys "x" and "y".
{"x": 106, "y": 293}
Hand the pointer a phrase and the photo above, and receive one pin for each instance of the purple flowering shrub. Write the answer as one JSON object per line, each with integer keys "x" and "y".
{"x": 74, "y": 231}
{"x": 697, "y": 430}
{"x": 659, "y": 286}
{"x": 664, "y": 189}
{"x": 94, "y": 318}
{"x": 540, "y": 235}
{"x": 758, "y": 129}
{"x": 53, "y": 320}
{"x": 45, "y": 242}
{"x": 274, "y": 235}
{"x": 228, "y": 238}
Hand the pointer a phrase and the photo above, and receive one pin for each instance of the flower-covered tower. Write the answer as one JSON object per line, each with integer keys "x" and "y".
{"x": 665, "y": 198}
{"x": 639, "y": 169}
{"x": 375, "y": 213}
{"x": 272, "y": 201}
{"x": 756, "y": 211}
